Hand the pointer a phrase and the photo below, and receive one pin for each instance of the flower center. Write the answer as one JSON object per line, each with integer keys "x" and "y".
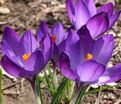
{"x": 88, "y": 57}
{"x": 53, "y": 38}
{"x": 26, "y": 56}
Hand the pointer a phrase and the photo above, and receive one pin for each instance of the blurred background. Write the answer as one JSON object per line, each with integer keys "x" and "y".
{"x": 26, "y": 14}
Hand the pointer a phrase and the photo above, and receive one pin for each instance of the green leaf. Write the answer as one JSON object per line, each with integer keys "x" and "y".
{"x": 70, "y": 90}
{"x": 0, "y": 86}
{"x": 60, "y": 91}
{"x": 49, "y": 83}
{"x": 81, "y": 94}
{"x": 99, "y": 90}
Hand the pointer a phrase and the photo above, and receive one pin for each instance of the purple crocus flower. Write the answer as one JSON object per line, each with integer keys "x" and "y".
{"x": 22, "y": 56}
{"x": 57, "y": 36}
{"x": 85, "y": 59}
{"x": 84, "y": 12}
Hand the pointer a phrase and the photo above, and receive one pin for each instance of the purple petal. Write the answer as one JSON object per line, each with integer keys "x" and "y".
{"x": 28, "y": 43}
{"x": 112, "y": 74}
{"x": 62, "y": 46}
{"x": 103, "y": 49}
{"x": 73, "y": 48}
{"x": 35, "y": 63}
{"x": 91, "y": 7}
{"x": 90, "y": 71}
{"x": 107, "y": 8}
{"x": 98, "y": 24}
{"x": 42, "y": 31}
{"x": 81, "y": 14}
{"x": 6, "y": 49}
{"x": 10, "y": 67}
{"x": 58, "y": 31}
{"x": 113, "y": 19}
{"x": 64, "y": 65}
{"x": 70, "y": 6}
{"x": 11, "y": 38}
{"x": 46, "y": 46}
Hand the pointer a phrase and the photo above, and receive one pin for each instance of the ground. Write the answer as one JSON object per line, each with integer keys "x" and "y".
{"x": 26, "y": 14}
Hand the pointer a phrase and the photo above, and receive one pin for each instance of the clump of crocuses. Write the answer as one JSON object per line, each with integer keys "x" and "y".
{"x": 82, "y": 53}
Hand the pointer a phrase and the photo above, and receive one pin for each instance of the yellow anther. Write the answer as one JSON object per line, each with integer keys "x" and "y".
{"x": 26, "y": 56}
{"x": 53, "y": 38}
{"x": 89, "y": 56}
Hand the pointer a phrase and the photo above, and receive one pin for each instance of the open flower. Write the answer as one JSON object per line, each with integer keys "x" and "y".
{"x": 85, "y": 59}
{"x": 57, "y": 36}
{"x": 22, "y": 56}
{"x": 84, "y": 12}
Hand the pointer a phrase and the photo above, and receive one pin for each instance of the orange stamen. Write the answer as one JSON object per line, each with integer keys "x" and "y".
{"x": 53, "y": 38}
{"x": 88, "y": 57}
{"x": 26, "y": 56}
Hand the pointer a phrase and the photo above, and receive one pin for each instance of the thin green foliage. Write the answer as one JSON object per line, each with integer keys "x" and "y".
{"x": 103, "y": 88}
{"x": 81, "y": 94}
{"x": 49, "y": 84}
{"x": 60, "y": 90}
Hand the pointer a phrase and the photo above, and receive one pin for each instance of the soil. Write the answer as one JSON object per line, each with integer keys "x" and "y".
{"x": 26, "y": 14}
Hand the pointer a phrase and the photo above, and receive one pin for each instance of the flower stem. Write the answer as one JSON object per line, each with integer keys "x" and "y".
{"x": 37, "y": 91}
{"x": 55, "y": 79}
{"x": 79, "y": 95}
{"x": 38, "y": 101}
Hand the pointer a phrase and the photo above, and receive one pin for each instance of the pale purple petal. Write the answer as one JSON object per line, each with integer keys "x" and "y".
{"x": 42, "y": 31}
{"x": 11, "y": 38}
{"x": 73, "y": 48}
{"x": 35, "y": 62}
{"x": 90, "y": 71}
{"x": 64, "y": 65}
{"x": 58, "y": 31}
{"x": 107, "y": 8}
{"x": 113, "y": 19}
{"x": 6, "y": 49}
{"x": 81, "y": 14}
{"x": 112, "y": 74}
{"x": 98, "y": 24}
{"x": 103, "y": 49}
{"x": 91, "y": 7}
{"x": 70, "y": 6}
{"x": 46, "y": 46}
{"x": 28, "y": 43}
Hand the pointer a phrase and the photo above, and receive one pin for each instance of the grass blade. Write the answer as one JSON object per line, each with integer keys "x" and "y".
{"x": 60, "y": 91}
